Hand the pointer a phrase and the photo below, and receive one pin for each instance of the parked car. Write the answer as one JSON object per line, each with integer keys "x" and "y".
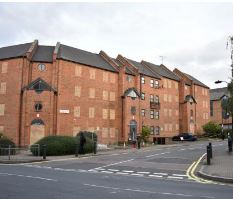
{"x": 186, "y": 137}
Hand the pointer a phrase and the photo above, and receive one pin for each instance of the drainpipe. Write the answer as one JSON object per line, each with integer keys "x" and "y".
{"x": 122, "y": 116}
{"x": 21, "y": 106}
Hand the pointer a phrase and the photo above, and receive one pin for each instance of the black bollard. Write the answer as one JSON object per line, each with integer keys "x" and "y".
{"x": 230, "y": 145}
{"x": 208, "y": 155}
{"x": 44, "y": 152}
{"x": 76, "y": 150}
{"x": 211, "y": 152}
{"x": 95, "y": 147}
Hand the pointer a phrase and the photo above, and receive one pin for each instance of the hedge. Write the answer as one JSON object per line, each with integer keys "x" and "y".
{"x": 4, "y": 143}
{"x": 62, "y": 145}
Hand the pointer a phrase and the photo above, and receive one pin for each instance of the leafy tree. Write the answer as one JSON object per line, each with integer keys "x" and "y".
{"x": 145, "y": 133}
{"x": 212, "y": 129}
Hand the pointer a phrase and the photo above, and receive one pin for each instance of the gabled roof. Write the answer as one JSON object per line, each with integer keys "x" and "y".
{"x": 83, "y": 57}
{"x": 195, "y": 81}
{"x": 218, "y": 93}
{"x": 143, "y": 69}
{"x": 43, "y": 54}
{"x": 39, "y": 84}
{"x": 14, "y": 51}
{"x": 130, "y": 90}
{"x": 162, "y": 70}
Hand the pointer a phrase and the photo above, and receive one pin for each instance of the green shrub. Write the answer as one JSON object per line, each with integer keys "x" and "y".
{"x": 4, "y": 144}
{"x": 212, "y": 129}
{"x": 146, "y": 133}
{"x": 62, "y": 145}
{"x": 56, "y": 145}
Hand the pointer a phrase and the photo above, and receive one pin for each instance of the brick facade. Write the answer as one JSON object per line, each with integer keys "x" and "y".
{"x": 53, "y": 91}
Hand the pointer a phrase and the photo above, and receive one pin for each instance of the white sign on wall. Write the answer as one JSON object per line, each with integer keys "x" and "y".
{"x": 65, "y": 111}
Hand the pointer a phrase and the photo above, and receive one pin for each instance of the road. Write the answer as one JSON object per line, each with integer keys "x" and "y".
{"x": 156, "y": 172}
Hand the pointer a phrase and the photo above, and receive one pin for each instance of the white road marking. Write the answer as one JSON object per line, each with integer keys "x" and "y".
{"x": 143, "y": 191}
{"x": 157, "y": 154}
{"x": 179, "y": 175}
{"x": 181, "y": 150}
{"x": 143, "y": 172}
{"x": 175, "y": 177}
{"x": 106, "y": 172}
{"x": 114, "y": 164}
{"x": 121, "y": 173}
{"x": 164, "y": 174}
{"x": 25, "y": 176}
{"x": 99, "y": 168}
{"x": 157, "y": 176}
{"x": 127, "y": 171}
{"x": 113, "y": 170}
{"x": 136, "y": 174}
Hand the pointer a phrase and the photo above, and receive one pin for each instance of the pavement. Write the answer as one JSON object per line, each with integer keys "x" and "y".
{"x": 221, "y": 167}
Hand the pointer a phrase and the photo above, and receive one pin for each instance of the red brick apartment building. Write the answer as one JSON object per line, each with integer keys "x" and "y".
{"x": 217, "y": 114}
{"x": 60, "y": 90}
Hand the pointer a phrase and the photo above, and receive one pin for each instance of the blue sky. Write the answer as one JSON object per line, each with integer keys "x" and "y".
{"x": 190, "y": 36}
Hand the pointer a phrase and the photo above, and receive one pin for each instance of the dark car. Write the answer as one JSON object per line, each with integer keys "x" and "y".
{"x": 184, "y": 137}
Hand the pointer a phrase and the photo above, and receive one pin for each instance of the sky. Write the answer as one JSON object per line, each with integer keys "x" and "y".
{"x": 190, "y": 36}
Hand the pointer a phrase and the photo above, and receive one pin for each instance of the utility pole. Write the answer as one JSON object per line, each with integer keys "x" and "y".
{"x": 230, "y": 43}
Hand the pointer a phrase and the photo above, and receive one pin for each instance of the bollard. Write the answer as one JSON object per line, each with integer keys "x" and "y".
{"x": 76, "y": 150}
{"x": 9, "y": 152}
{"x": 230, "y": 145}
{"x": 208, "y": 155}
{"x": 44, "y": 152}
{"x": 211, "y": 152}
{"x": 95, "y": 147}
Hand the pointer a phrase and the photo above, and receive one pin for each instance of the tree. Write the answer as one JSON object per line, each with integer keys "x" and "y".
{"x": 145, "y": 133}
{"x": 212, "y": 129}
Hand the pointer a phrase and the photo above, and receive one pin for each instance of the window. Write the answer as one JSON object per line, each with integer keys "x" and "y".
{"x": 92, "y": 73}
{"x": 152, "y": 116}
{"x": 2, "y": 109}
{"x": 77, "y": 111}
{"x": 78, "y": 71}
{"x": 4, "y": 67}
{"x": 151, "y": 98}
{"x": 156, "y": 115}
{"x": 157, "y": 130}
{"x": 112, "y": 96}
{"x": 142, "y": 80}
{"x": 41, "y": 67}
{"x": 191, "y": 113}
{"x": 142, "y": 96}
{"x": 38, "y": 106}
{"x": 105, "y": 113}
{"x": 91, "y": 93}
{"x": 156, "y": 83}
{"x": 133, "y": 110}
{"x": 143, "y": 112}
{"x": 112, "y": 114}
{"x": 91, "y": 112}
{"x": 156, "y": 99}
{"x": 211, "y": 108}
{"x": 152, "y": 83}
{"x": 77, "y": 91}
{"x": 3, "y": 88}
{"x": 152, "y": 130}
{"x": 129, "y": 78}
{"x": 105, "y": 95}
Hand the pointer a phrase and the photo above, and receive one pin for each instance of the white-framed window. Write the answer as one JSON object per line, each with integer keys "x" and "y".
{"x": 151, "y": 98}
{"x": 143, "y": 112}
{"x": 157, "y": 130}
{"x": 152, "y": 83}
{"x": 142, "y": 96}
{"x": 152, "y": 130}
{"x": 156, "y": 99}
{"x": 156, "y": 83}
{"x": 152, "y": 114}
{"x": 142, "y": 80}
{"x": 156, "y": 115}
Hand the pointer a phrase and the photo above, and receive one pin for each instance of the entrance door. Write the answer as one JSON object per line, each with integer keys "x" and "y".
{"x": 191, "y": 127}
{"x": 133, "y": 130}
{"x": 37, "y": 130}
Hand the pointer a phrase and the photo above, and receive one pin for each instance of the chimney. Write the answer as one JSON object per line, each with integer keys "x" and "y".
{"x": 56, "y": 51}
{"x": 31, "y": 51}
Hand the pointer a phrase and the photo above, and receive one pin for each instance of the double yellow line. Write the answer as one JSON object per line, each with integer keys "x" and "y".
{"x": 191, "y": 172}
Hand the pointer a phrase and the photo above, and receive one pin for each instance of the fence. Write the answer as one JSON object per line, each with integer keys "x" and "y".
{"x": 20, "y": 154}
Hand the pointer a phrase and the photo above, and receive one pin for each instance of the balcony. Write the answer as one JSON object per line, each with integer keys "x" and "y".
{"x": 155, "y": 105}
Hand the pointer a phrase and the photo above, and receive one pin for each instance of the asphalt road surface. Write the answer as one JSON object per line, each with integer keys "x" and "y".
{"x": 156, "y": 172}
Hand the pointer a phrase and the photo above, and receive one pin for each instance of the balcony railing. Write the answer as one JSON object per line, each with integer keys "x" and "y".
{"x": 155, "y": 105}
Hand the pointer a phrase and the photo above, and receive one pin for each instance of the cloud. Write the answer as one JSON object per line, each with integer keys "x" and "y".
{"x": 191, "y": 36}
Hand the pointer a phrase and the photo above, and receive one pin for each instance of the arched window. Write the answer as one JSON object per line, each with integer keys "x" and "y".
{"x": 37, "y": 122}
